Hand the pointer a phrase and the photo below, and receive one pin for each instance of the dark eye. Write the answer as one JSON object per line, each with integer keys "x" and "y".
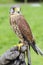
{"x": 18, "y": 12}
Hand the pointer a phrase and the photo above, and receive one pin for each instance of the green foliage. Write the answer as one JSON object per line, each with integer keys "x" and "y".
{"x": 6, "y": 1}
{"x": 19, "y": 0}
{"x": 34, "y": 16}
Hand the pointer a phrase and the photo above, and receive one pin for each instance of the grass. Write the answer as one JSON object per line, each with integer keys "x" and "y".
{"x": 34, "y": 16}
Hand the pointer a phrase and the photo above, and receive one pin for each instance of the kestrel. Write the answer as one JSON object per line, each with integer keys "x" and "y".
{"x": 22, "y": 28}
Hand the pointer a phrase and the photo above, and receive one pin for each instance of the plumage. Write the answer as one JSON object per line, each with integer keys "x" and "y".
{"x": 22, "y": 28}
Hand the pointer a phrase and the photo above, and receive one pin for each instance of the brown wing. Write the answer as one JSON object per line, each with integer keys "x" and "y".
{"x": 24, "y": 28}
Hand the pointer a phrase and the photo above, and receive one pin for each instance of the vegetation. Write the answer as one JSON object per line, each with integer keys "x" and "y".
{"x": 14, "y": 1}
{"x": 28, "y": 0}
{"x": 6, "y": 1}
{"x": 34, "y": 16}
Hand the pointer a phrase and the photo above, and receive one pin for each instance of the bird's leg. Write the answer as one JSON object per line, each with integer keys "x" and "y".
{"x": 29, "y": 57}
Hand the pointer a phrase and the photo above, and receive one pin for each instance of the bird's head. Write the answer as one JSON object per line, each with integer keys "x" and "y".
{"x": 15, "y": 9}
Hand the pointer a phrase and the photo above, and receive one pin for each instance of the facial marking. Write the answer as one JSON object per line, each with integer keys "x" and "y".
{"x": 11, "y": 11}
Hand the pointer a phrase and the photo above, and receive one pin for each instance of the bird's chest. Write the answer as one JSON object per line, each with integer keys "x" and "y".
{"x": 16, "y": 30}
{"x": 15, "y": 27}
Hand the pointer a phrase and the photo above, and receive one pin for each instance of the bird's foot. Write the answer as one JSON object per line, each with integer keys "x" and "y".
{"x": 20, "y": 45}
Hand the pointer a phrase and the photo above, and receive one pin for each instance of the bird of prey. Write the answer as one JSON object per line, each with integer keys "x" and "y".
{"x": 22, "y": 28}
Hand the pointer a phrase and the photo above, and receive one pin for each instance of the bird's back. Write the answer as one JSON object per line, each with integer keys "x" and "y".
{"x": 24, "y": 28}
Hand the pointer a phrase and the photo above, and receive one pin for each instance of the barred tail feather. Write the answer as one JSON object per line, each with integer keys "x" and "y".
{"x": 36, "y": 48}
{"x": 39, "y": 50}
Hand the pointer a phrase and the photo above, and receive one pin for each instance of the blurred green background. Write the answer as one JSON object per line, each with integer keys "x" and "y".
{"x": 18, "y": 1}
{"x": 34, "y": 16}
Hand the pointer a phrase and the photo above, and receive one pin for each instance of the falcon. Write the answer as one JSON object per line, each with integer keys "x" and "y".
{"x": 22, "y": 28}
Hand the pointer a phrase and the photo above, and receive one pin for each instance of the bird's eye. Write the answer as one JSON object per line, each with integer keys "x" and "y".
{"x": 18, "y": 11}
